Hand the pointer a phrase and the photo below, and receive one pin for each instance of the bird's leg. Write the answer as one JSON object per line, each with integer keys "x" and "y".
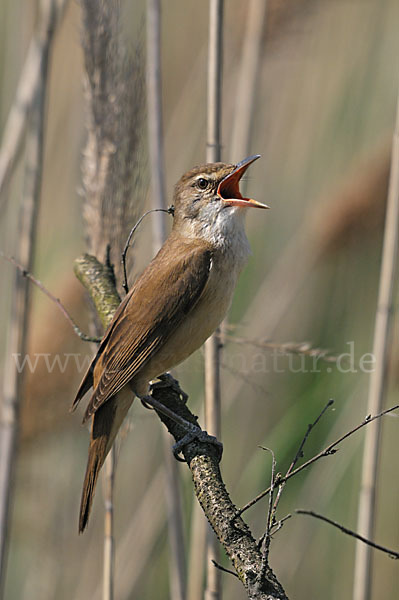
{"x": 167, "y": 380}
{"x": 201, "y": 436}
{"x": 145, "y": 403}
{"x": 194, "y": 432}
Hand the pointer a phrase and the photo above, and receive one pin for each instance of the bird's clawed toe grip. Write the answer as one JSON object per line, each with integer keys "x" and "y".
{"x": 166, "y": 380}
{"x": 201, "y": 436}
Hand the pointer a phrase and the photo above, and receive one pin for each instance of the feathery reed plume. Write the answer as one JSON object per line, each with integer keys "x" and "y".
{"x": 114, "y": 156}
{"x": 112, "y": 168}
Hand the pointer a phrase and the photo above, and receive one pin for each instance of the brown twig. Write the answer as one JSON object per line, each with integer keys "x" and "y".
{"x": 392, "y": 553}
{"x": 311, "y": 426}
{"x": 215, "y": 501}
{"x": 203, "y": 461}
{"x": 299, "y": 453}
{"x": 221, "y": 568}
{"x": 57, "y": 301}
{"x": 330, "y": 449}
{"x": 133, "y": 230}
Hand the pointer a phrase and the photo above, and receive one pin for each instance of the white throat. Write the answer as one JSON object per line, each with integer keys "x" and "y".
{"x": 224, "y": 229}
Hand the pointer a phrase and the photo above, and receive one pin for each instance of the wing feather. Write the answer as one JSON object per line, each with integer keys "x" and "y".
{"x": 146, "y": 320}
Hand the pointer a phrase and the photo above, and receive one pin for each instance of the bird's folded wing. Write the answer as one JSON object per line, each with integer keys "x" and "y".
{"x": 161, "y": 298}
{"x": 87, "y": 381}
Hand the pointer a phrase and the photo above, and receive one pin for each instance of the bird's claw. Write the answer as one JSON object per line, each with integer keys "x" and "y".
{"x": 167, "y": 380}
{"x": 146, "y": 404}
{"x": 201, "y": 436}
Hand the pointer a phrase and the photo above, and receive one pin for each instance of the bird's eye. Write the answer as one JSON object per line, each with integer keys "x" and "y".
{"x": 202, "y": 183}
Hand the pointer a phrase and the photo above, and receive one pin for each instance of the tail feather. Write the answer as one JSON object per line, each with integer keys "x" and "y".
{"x": 106, "y": 423}
{"x": 93, "y": 468}
{"x": 100, "y": 444}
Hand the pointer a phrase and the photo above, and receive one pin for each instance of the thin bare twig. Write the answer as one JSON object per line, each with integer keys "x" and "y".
{"x": 278, "y": 524}
{"x": 298, "y": 455}
{"x": 221, "y": 568}
{"x": 362, "y": 583}
{"x": 330, "y": 449}
{"x": 392, "y": 553}
{"x": 311, "y": 426}
{"x": 270, "y": 519}
{"x": 57, "y": 301}
{"x": 169, "y": 210}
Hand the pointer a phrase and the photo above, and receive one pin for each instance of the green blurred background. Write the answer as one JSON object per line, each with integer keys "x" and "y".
{"x": 323, "y": 121}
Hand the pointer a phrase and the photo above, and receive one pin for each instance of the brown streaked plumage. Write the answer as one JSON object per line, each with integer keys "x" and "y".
{"x": 174, "y": 306}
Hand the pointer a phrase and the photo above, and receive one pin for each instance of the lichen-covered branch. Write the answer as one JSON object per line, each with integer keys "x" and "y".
{"x": 201, "y": 457}
{"x": 98, "y": 279}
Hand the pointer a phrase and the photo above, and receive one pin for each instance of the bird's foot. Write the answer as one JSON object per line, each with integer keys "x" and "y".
{"x": 145, "y": 404}
{"x": 166, "y": 380}
{"x": 202, "y": 436}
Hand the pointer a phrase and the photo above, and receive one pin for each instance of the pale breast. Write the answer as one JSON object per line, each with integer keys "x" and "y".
{"x": 200, "y": 323}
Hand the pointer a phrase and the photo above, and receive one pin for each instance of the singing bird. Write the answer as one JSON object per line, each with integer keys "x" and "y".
{"x": 173, "y": 307}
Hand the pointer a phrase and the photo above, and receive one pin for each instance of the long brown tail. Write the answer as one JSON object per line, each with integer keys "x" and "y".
{"x": 106, "y": 423}
{"x": 100, "y": 444}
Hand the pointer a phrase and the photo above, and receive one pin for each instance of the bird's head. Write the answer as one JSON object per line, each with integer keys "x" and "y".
{"x": 209, "y": 195}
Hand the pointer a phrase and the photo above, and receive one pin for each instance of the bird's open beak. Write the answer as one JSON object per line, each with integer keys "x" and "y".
{"x": 229, "y": 187}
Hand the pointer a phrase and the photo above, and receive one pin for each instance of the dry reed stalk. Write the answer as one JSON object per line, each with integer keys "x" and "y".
{"x": 247, "y": 79}
{"x": 362, "y": 584}
{"x": 109, "y": 541}
{"x": 114, "y": 93}
{"x": 212, "y": 345}
{"x": 19, "y": 318}
{"x": 145, "y": 525}
{"x": 198, "y": 532}
{"x": 25, "y": 95}
{"x": 177, "y": 562}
